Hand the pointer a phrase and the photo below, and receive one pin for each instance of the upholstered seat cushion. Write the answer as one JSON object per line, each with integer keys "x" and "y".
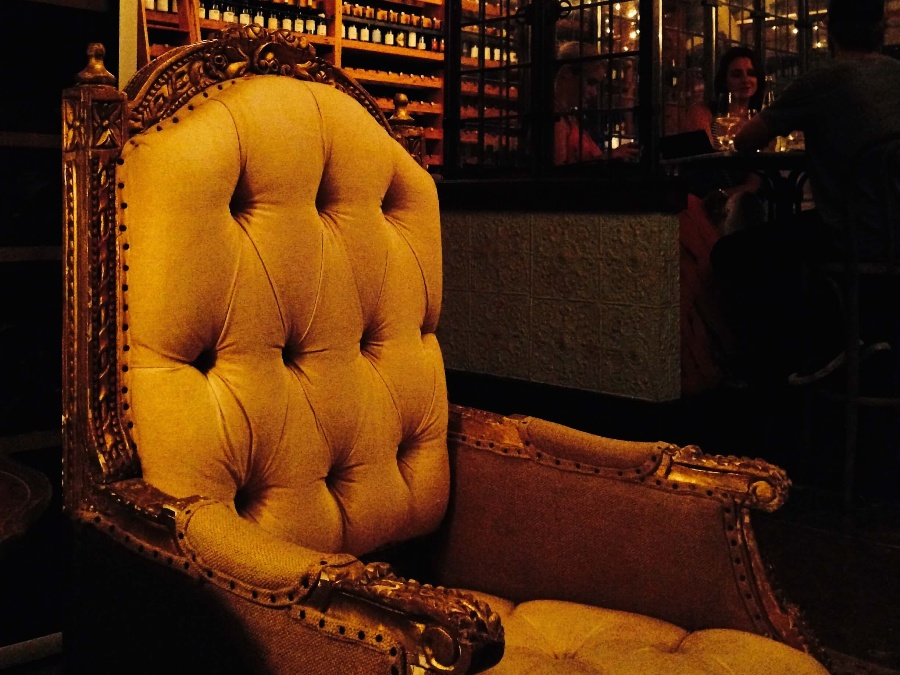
{"x": 282, "y": 283}
{"x": 552, "y": 637}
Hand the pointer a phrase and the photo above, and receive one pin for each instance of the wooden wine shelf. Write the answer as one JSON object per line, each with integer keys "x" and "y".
{"x": 415, "y": 3}
{"x": 490, "y": 93}
{"x": 489, "y": 115}
{"x": 473, "y": 6}
{"x": 414, "y": 107}
{"x": 386, "y": 68}
{"x": 488, "y": 63}
{"x": 209, "y": 25}
{"x": 158, "y": 50}
{"x": 405, "y": 52}
{"x": 471, "y": 137}
{"x": 157, "y": 19}
{"x": 394, "y": 79}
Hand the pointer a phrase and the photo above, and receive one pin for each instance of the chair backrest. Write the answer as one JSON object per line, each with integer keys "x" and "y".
{"x": 875, "y": 209}
{"x": 264, "y": 273}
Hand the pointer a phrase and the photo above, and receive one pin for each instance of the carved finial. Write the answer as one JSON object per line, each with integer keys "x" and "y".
{"x": 95, "y": 72}
{"x": 401, "y": 115}
{"x": 405, "y": 130}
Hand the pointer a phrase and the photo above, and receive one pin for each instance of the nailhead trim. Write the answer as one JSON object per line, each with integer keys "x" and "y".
{"x": 350, "y": 632}
{"x": 528, "y": 451}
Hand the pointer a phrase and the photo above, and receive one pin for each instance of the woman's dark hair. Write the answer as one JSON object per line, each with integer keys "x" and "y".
{"x": 857, "y": 24}
{"x": 720, "y": 85}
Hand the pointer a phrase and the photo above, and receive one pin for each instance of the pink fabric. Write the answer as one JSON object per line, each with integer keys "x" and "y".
{"x": 573, "y": 145}
{"x": 703, "y": 337}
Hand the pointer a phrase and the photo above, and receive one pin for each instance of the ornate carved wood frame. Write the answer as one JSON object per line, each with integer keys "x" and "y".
{"x": 98, "y": 120}
{"x": 101, "y": 470}
{"x": 101, "y": 465}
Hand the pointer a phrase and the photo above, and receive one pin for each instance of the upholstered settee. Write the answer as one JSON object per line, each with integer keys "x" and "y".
{"x": 256, "y": 419}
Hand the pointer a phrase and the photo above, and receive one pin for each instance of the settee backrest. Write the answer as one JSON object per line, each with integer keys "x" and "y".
{"x": 278, "y": 284}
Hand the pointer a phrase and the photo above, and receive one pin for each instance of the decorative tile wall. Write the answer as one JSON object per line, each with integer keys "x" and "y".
{"x": 587, "y": 301}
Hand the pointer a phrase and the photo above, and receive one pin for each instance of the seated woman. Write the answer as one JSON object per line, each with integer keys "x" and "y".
{"x": 738, "y": 84}
{"x": 576, "y": 95}
{"x": 718, "y": 203}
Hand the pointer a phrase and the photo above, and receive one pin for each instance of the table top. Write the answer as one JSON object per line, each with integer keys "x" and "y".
{"x": 24, "y": 493}
{"x": 762, "y": 159}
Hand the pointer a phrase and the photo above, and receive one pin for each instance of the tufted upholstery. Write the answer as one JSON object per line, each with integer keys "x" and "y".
{"x": 281, "y": 271}
{"x": 545, "y": 637}
{"x": 250, "y": 355}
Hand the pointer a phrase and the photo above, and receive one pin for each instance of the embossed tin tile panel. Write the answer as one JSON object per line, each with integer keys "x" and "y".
{"x": 501, "y": 254}
{"x": 456, "y": 245}
{"x": 588, "y": 301}
{"x": 564, "y": 258}
{"x": 453, "y": 328}
{"x": 634, "y": 263}
{"x": 500, "y": 336}
{"x": 629, "y": 338}
{"x": 565, "y": 345}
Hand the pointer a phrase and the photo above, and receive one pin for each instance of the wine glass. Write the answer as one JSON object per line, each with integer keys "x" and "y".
{"x": 724, "y": 123}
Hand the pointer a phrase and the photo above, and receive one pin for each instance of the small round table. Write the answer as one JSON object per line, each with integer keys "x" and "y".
{"x": 24, "y": 494}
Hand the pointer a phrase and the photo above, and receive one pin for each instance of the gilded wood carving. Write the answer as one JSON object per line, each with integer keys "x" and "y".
{"x": 463, "y": 624}
{"x": 93, "y": 135}
{"x": 737, "y": 484}
{"x": 165, "y": 84}
{"x": 102, "y": 473}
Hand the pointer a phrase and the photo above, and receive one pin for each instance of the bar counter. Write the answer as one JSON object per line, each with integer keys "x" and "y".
{"x": 570, "y": 282}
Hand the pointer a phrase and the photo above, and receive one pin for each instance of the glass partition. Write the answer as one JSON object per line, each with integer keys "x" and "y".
{"x": 595, "y": 82}
{"x": 543, "y": 87}
{"x": 494, "y": 93}
{"x": 683, "y": 82}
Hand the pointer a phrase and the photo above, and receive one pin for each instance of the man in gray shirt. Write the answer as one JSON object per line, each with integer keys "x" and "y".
{"x": 843, "y": 110}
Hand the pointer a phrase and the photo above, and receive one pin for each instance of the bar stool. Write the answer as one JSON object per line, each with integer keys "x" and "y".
{"x": 874, "y": 222}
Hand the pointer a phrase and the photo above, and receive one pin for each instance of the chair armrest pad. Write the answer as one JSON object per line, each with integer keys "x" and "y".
{"x": 442, "y": 626}
{"x": 753, "y": 483}
{"x": 210, "y": 540}
{"x": 236, "y": 552}
{"x": 539, "y": 511}
{"x": 458, "y": 631}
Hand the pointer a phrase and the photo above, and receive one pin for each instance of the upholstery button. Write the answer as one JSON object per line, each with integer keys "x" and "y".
{"x": 205, "y": 360}
{"x": 242, "y": 500}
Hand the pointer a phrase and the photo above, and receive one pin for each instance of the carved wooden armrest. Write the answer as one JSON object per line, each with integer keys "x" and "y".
{"x": 749, "y": 482}
{"x": 457, "y": 633}
{"x": 444, "y": 629}
{"x": 647, "y": 523}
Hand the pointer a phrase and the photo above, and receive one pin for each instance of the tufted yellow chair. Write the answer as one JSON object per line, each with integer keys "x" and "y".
{"x": 256, "y": 414}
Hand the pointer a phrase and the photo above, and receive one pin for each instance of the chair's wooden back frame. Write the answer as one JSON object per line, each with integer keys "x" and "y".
{"x": 101, "y": 465}
{"x": 98, "y": 120}
{"x": 102, "y": 471}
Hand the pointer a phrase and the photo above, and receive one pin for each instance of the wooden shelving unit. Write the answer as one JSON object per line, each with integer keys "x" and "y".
{"x": 383, "y": 69}
{"x": 402, "y": 52}
{"x": 387, "y": 105}
{"x": 364, "y": 76}
{"x": 490, "y": 79}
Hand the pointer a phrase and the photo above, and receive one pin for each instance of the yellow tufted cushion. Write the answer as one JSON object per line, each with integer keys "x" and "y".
{"x": 549, "y": 636}
{"x": 281, "y": 287}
